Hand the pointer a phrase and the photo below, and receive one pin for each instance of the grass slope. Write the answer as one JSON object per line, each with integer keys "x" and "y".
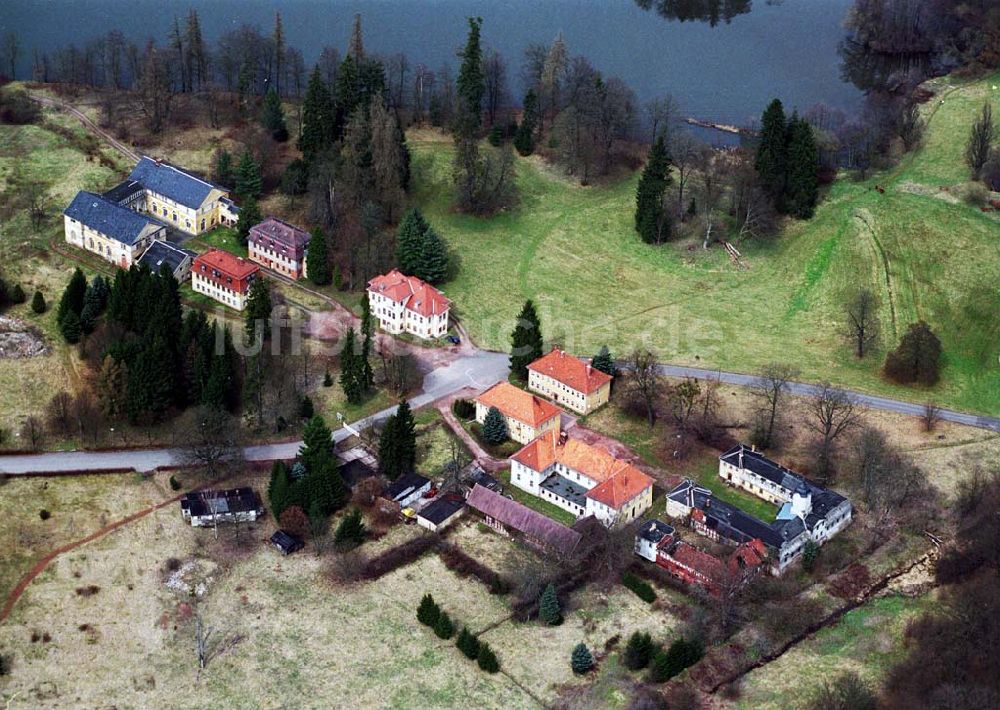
{"x": 573, "y": 250}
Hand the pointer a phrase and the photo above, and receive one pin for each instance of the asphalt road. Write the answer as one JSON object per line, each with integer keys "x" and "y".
{"x": 480, "y": 370}
{"x": 867, "y": 400}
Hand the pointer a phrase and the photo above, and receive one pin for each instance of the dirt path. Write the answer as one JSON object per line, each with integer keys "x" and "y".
{"x": 489, "y": 464}
{"x": 88, "y": 124}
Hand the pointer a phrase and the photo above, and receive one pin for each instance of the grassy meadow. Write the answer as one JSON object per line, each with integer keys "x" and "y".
{"x": 573, "y": 250}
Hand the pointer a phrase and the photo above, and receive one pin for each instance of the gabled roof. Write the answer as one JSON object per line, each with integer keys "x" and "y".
{"x": 282, "y": 232}
{"x": 617, "y": 481}
{"x": 101, "y": 215}
{"x": 523, "y": 519}
{"x": 228, "y": 264}
{"x": 709, "y": 567}
{"x": 355, "y": 471}
{"x": 517, "y": 404}
{"x": 171, "y": 182}
{"x": 442, "y": 509}
{"x": 405, "y": 485}
{"x": 571, "y": 371}
{"x": 415, "y": 295}
{"x": 160, "y": 252}
{"x": 123, "y": 191}
{"x": 234, "y": 500}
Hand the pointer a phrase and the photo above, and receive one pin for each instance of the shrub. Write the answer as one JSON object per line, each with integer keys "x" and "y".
{"x": 581, "y": 660}
{"x": 917, "y": 358}
{"x": 428, "y": 611}
{"x": 306, "y": 409}
{"x": 463, "y": 409}
{"x": 175, "y": 485}
{"x": 397, "y": 557}
{"x": 44, "y": 514}
{"x": 641, "y": 588}
{"x": 638, "y": 651}
{"x": 443, "y": 628}
{"x": 4, "y": 665}
{"x": 975, "y": 194}
{"x": 327, "y": 379}
{"x": 468, "y": 644}
{"x": 548, "y": 607}
{"x": 294, "y": 520}
{"x": 462, "y": 564}
{"x": 846, "y": 692}
{"x": 17, "y": 295}
{"x": 486, "y": 659}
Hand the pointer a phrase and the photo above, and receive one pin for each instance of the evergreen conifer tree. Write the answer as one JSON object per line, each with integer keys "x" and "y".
{"x": 487, "y": 659}
{"x": 351, "y": 370}
{"x": 16, "y": 294}
{"x": 443, "y": 627}
{"x": 318, "y": 264}
{"x": 467, "y": 643}
{"x": 318, "y": 121}
{"x": 638, "y": 651}
{"x": 470, "y": 85}
{"x": 249, "y": 182}
{"x": 278, "y": 489}
{"x": 772, "y": 152}
{"x": 652, "y": 218}
{"x": 548, "y": 607}
{"x": 316, "y": 451}
{"x": 581, "y": 660}
{"x": 273, "y": 116}
{"x": 388, "y": 450}
{"x": 257, "y": 314}
{"x": 223, "y": 172}
{"x": 364, "y": 365}
{"x": 524, "y": 139}
{"x": 73, "y": 296}
{"x": 249, "y": 216}
{"x": 406, "y": 437}
{"x": 351, "y": 531}
{"x": 410, "y": 241}
{"x": 38, "y": 304}
{"x": 604, "y": 362}
{"x": 433, "y": 258}
{"x": 526, "y": 341}
{"x": 428, "y": 611}
{"x": 495, "y": 427}
{"x": 70, "y": 327}
{"x": 802, "y": 182}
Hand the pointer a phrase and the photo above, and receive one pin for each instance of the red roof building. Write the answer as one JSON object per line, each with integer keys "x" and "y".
{"x": 224, "y": 277}
{"x": 279, "y": 246}
{"x": 527, "y": 416}
{"x": 569, "y": 381}
{"x": 405, "y": 304}
{"x": 582, "y": 478}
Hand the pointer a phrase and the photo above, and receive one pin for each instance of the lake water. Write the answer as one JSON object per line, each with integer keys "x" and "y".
{"x": 725, "y": 73}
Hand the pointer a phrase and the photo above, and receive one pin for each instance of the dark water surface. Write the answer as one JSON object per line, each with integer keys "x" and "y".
{"x": 725, "y": 73}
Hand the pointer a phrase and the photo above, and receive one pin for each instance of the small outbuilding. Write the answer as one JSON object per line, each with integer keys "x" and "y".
{"x": 441, "y": 513}
{"x": 286, "y": 543}
{"x": 355, "y": 471}
{"x": 405, "y": 490}
{"x": 207, "y": 508}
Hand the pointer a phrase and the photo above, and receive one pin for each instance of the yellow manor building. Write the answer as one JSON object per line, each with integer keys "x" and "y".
{"x": 567, "y": 380}
{"x": 116, "y": 234}
{"x": 176, "y": 197}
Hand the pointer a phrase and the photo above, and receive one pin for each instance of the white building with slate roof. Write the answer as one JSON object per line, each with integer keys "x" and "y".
{"x": 117, "y": 234}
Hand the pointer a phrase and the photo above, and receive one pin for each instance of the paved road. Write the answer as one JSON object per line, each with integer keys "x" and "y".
{"x": 477, "y": 371}
{"x": 867, "y": 400}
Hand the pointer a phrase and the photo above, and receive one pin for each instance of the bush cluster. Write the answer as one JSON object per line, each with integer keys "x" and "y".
{"x": 641, "y": 588}
{"x": 431, "y": 615}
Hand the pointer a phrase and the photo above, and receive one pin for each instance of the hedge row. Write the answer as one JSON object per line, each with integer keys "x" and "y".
{"x": 641, "y": 588}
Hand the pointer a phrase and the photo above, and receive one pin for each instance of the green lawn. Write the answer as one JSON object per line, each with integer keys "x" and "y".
{"x": 534, "y": 502}
{"x": 573, "y": 250}
{"x": 706, "y": 474}
{"x": 224, "y": 238}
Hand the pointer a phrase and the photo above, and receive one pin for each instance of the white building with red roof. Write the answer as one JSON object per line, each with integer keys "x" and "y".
{"x": 582, "y": 479}
{"x": 405, "y": 304}
{"x": 569, "y": 381}
{"x": 224, "y": 277}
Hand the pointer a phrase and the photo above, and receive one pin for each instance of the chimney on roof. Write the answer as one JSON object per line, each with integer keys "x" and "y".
{"x": 590, "y": 368}
{"x": 753, "y": 448}
{"x": 741, "y": 457}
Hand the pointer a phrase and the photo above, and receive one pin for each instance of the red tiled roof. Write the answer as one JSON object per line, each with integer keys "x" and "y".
{"x": 415, "y": 295}
{"x": 571, "y": 371}
{"x": 235, "y": 267}
{"x": 706, "y": 565}
{"x": 517, "y": 404}
{"x": 618, "y": 481}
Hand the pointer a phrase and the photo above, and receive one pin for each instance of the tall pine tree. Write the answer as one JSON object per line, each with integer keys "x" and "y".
{"x": 388, "y": 450}
{"x": 257, "y": 315}
{"x": 524, "y": 139}
{"x": 351, "y": 369}
{"x": 772, "y": 152}
{"x": 433, "y": 258}
{"x": 249, "y": 216}
{"x": 364, "y": 366}
{"x": 272, "y": 116}
{"x": 526, "y": 341}
{"x": 802, "y": 182}
{"x": 410, "y": 241}
{"x": 652, "y": 218}
{"x": 249, "y": 182}
{"x": 318, "y": 119}
{"x": 471, "y": 83}
{"x": 318, "y": 264}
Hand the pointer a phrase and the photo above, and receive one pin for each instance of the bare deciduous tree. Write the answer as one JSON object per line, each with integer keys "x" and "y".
{"x": 981, "y": 136}
{"x": 209, "y": 437}
{"x": 862, "y": 321}
{"x": 644, "y": 381}
{"x": 32, "y": 433}
{"x": 888, "y": 480}
{"x": 832, "y": 413}
{"x": 664, "y": 115}
{"x": 931, "y": 416}
{"x": 770, "y": 388}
